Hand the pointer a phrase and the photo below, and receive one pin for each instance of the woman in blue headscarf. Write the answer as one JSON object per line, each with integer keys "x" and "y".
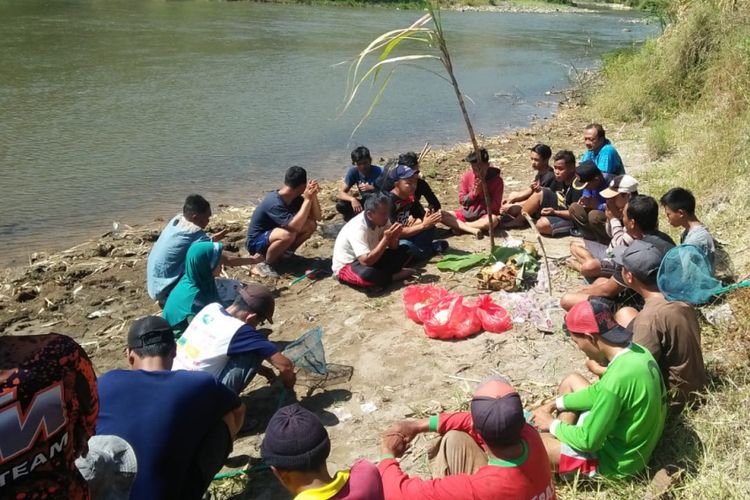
{"x": 197, "y": 288}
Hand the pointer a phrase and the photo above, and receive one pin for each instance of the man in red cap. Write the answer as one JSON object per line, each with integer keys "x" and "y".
{"x": 488, "y": 453}
{"x": 610, "y": 427}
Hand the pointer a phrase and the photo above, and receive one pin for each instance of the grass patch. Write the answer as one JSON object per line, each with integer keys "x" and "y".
{"x": 659, "y": 139}
{"x": 691, "y": 88}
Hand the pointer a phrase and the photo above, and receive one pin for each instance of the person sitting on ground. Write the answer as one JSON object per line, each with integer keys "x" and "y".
{"x": 418, "y": 226}
{"x": 180, "y": 424}
{"x": 641, "y": 221}
{"x": 487, "y": 453}
{"x": 588, "y": 213}
{"x": 197, "y": 287}
{"x": 226, "y": 343}
{"x": 472, "y": 215}
{"x": 283, "y": 220}
{"x": 544, "y": 178}
{"x": 601, "y": 151}
{"x": 679, "y": 207}
{"x": 166, "y": 261}
{"x": 49, "y": 406}
{"x": 411, "y": 160}
{"x": 366, "y": 253}
{"x": 669, "y": 330}
{"x": 296, "y": 447}
{"x": 552, "y": 202}
{"x": 362, "y": 174}
{"x": 612, "y": 426}
{"x": 592, "y": 259}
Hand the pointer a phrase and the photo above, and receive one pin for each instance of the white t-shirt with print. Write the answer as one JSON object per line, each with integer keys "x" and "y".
{"x": 355, "y": 239}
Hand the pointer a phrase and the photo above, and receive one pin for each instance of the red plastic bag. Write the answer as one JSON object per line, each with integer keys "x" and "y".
{"x": 416, "y": 297}
{"x": 494, "y": 318}
{"x": 450, "y": 319}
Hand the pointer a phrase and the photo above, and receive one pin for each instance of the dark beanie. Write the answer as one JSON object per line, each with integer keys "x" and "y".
{"x": 295, "y": 440}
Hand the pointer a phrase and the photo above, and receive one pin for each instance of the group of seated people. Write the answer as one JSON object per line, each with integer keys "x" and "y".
{"x": 165, "y": 427}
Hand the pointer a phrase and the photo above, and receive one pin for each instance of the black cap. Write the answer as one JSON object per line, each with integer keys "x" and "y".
{"x": 472, "y": 157}
{"x": 586, "y": 171}
{"x": 149, "y": 330}
{"x": 295, "y": 440}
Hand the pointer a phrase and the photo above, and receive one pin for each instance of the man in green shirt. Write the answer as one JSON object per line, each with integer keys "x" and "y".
{"x": 612, "y": 426}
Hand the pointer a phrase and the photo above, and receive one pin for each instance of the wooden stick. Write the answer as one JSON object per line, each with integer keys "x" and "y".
{"x": 423, "y": 153}
{"x": 541, "y": 245}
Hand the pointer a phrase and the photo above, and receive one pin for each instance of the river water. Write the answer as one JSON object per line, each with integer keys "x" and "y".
{"x": 115, "y": 110}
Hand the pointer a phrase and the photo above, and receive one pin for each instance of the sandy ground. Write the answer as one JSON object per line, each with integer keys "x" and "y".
{"x": 384, "y": 367}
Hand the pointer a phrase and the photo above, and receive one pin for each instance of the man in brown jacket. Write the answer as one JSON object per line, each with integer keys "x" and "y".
{"x": 668, "y": 329}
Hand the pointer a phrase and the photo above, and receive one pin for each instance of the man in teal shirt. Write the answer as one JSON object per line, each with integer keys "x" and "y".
{"x": 612, "y": 426}
{"x": 601, "y": 151}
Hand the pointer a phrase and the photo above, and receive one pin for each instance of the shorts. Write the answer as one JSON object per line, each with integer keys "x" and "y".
{"x": 552, "y": 199}
{"x": 259, "y": 244}
{"x": 560, "y": 226}
{"x": 573, "y": 461}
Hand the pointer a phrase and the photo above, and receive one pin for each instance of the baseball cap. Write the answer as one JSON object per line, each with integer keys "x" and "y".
{"x": 620, "y": 184}
{"x": 259, "y": 299}
{"x": 109, "y": 468}
{"x": 497, "y": 412}
{"x": 640, "y": 258}
{"x": 403, "y": 172}
{"x": 295, "y": 439}
{"x": 472, "y": 156}
{"x": 594, "y": 318}
{"x": 149, "y": 330}
{"x": 586, "y": 171}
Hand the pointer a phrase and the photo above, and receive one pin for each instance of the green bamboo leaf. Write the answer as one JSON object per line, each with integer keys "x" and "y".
{"x": 375, "y": 101}
{"x": 391, "y": 60}
{"x": 393, "y": 44}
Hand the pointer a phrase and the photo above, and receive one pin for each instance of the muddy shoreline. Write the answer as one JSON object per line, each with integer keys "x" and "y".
{"x": 388, "y": 368}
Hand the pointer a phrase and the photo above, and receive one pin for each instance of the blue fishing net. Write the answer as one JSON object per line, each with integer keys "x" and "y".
{"x": 307, "y": 352}
{"x": 685, "y": 274}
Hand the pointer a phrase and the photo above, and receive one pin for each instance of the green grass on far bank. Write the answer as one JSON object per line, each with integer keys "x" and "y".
{"x": 422, "y": 4}
{"x": 690, "y": 89}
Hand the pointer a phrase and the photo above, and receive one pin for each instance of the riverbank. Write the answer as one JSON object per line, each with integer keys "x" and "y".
{"x": 387, "y": 369}
{"x": 515, "y": 6}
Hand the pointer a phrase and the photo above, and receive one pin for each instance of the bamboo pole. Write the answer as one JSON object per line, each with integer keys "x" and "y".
{"x": 446, "y": 60}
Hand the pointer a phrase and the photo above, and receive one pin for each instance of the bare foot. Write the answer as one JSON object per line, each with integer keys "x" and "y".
{"x": 405, "y": 273}
{"x": 479, "y": 234}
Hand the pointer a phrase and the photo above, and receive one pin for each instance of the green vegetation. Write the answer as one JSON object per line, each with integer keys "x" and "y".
{"x": 422, "y": 4}
{"x": 691, "y": 86}
{"x": 691, "y": 90}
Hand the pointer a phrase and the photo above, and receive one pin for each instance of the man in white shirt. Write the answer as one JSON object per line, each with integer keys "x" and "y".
{"x": 366, "y": 253}
{"x": 225, "y": 342}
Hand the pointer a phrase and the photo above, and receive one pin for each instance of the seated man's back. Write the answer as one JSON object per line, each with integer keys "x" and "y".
{"x": 527, "y": 477}
{"x": 48, "y": 409}
{"x": 627, "y": 413}
{"x": 164, "y": 416}
{"x": 670, "y": 331}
